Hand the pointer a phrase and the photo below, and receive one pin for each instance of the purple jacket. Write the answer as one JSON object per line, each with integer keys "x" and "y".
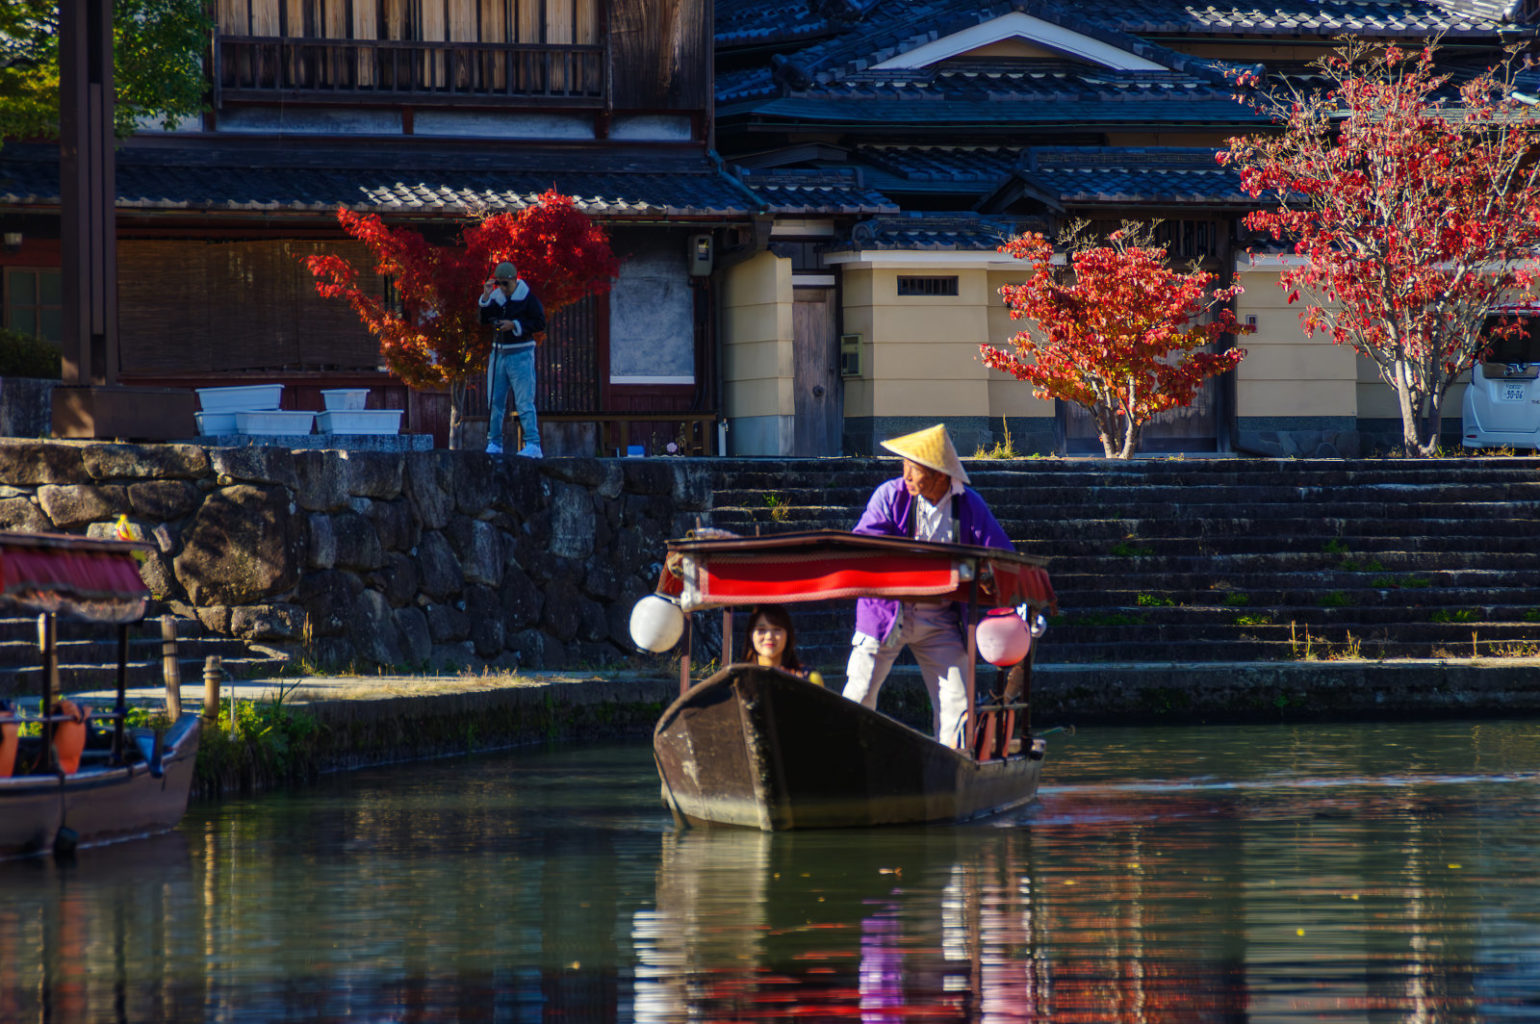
{"x": 887, "y": 515}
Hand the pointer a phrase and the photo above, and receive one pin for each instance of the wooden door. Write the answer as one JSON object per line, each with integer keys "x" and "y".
{"x": 819, "y": 410}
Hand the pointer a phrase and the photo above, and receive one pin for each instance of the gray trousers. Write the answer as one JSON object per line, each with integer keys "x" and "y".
{"x": 933, "y": 634}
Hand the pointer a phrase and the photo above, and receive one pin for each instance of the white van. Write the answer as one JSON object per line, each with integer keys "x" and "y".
{"x": 1502, "y": 404}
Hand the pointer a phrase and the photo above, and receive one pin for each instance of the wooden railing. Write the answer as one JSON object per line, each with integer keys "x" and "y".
{"x": 272, "y": 67}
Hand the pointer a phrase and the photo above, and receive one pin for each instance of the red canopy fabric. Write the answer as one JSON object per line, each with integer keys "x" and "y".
{"x": 88, "y": 579}
{"x": 743, "y": 580}
{"x": 828, "y": 564}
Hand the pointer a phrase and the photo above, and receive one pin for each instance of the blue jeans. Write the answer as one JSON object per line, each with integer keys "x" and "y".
{"x": 514, "y": 370}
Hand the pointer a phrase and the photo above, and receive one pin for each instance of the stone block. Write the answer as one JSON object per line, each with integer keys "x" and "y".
{"x": 319, "y": 486}
{"x": 29, "y": 463}
{"x": 242, "y": 546}
{"x": 162, "y": 500}
{"x": 21, "y": 515}
{"x": 372, "y": 628}
{"x": 72, "y": 505}
{"x": 479, "y": 549}
{"x": 416, "y": 641}
{"x": 442, "y": 577}
{"x": 116, "y": 461}
{"x": 254, "y": 465}
{"x": 358, "y": 546}
{"x": 323, "y": 541}
{"x": 485, "y": 612}
{"x": 328, "y": 598}
{"x": 268, "y": 622}
{"x": 371, "y": 474}
{"x": 446, "y": 623}
{"x": 572, "y": 522}
{"x": 429, "y": 486}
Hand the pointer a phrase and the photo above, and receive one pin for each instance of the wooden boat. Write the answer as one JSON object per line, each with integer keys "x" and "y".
{"x": 761, "y": 748}
{"x": 54, "y": 794}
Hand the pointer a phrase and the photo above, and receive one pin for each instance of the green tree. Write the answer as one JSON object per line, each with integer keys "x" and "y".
{"x": 158, "y": 48}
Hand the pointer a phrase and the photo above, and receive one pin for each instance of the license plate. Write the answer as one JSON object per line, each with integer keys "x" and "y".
{"x": 1513, "y": 392}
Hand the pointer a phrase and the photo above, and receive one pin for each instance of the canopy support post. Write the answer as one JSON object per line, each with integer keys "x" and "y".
{"x": 973, "y": 657}
{"x": 727, "y": 637}
{"x": 684, "y": 659}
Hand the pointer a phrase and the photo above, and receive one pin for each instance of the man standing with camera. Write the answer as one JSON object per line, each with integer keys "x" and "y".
{"x": 509, "y": 306}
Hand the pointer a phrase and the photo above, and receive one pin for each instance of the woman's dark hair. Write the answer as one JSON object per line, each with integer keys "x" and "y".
{"x": 776, "y": 615}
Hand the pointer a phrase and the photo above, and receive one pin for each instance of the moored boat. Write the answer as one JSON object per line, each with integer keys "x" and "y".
{"x": 761, "y": 748}
{"x": 84, "y": 778}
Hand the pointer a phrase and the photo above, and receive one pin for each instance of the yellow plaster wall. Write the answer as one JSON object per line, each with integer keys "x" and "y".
{"x": 757, "y": 337}
{"x": 921, "y": 352}
{"x": 1286, "y": 373}
{"x": 1007, "y": 395}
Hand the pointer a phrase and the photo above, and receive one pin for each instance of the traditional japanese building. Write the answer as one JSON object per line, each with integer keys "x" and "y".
{"x": 426, "y": 112}
{"x": 968, "y": 122}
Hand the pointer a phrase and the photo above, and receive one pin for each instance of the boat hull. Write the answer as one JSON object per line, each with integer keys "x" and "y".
{"x": 759, "y": 748}
{"x": 100, "y": 804}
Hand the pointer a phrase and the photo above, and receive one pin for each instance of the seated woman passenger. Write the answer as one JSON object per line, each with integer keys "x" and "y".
{"x": 772, "y": 641}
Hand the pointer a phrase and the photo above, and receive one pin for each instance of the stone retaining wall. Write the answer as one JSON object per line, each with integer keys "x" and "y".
{"x": 409, "y": 559}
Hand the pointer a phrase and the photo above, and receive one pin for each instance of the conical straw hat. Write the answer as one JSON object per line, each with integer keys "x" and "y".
{"x": 932, "y": 448}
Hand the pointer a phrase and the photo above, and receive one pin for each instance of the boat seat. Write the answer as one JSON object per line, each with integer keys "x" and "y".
{"x": 69, "y": 738}
{"x": 9, "y": 740}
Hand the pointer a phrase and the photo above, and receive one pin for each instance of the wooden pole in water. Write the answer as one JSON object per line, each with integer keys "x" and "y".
{"x": 122, "y": 704}
{"x": 170, "y": 667}
{"x": 211, "y": 674}
{"x": 45, "y": 641}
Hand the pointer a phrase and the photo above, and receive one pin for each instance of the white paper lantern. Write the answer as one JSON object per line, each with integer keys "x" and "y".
{"x": 656, "y": 624}
{"x": 1003, "y": 639}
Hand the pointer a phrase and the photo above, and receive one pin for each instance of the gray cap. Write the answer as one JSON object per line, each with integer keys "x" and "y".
{"x": 506, "y": 270}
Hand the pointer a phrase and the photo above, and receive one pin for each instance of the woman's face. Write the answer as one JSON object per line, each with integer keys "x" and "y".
{"x": 769, "y": 641}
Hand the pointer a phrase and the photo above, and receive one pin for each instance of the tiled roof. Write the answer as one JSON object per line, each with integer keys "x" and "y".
{"x": 939, "y": 232}
{"x": 766, "y": 22}
{"x": 891, "y": 28}
{"x": 1384, "y": 18}
{"x": 1153, "y": 174}
{"x": 265, "y": 178}
{"x": 750, "y": 84}
{"x": 995, "y": 92}
{"x": 950, "y": 164}
{"x": 816, "y": 192}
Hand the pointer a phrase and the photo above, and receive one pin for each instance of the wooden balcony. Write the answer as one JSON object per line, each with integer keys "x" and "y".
{"x": 355, "y": 71}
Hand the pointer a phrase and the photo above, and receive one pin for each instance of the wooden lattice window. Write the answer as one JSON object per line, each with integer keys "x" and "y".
{"x": 33, "y": 302}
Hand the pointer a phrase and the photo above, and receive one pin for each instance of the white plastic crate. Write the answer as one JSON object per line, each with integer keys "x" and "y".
{"x": 340, "y": 399}
{"x": 274, "y": 422}
{"x": 248, "y": 397}
{"x": 215, "y": 423}
{"x": 359, "y": 421}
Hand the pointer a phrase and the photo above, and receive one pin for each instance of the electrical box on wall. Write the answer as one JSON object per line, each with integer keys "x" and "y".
{"x": 700, "y": 255}
{"x": 850, "y": 355}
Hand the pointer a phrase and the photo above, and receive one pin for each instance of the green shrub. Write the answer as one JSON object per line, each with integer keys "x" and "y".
{"x": 24, "y": 356}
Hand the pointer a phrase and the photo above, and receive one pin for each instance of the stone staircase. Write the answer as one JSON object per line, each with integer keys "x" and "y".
{"x": 1222, "y": 560}
{"x": 88, "y": 655}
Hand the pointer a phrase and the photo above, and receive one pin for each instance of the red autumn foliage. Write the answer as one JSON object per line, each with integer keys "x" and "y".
{"x": 436, "y": 337}
{"x": 1119, "y": 335}
{"x": 1412, "y": 208}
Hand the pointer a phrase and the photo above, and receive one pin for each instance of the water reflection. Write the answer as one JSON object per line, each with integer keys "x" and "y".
{"x": 1360, "y": 873}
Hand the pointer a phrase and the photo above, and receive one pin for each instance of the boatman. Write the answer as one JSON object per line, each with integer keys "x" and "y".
{"x": 931, "y": 501}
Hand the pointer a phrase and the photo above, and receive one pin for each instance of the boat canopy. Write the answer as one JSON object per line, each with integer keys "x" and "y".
{"x": 73, "y": 577}
{"x": 822, "y": 565}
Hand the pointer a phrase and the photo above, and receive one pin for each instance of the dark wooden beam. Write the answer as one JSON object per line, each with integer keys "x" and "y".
{"x": 88, "y": 254}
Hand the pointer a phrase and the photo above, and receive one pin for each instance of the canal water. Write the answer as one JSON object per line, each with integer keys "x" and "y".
{"x": 1362, "y": 872}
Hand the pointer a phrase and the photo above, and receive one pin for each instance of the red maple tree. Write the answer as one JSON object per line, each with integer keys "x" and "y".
{"x": 1119, "y": 334}
{"x": 1412, "y": 208}
{"x": 435, "y": 337}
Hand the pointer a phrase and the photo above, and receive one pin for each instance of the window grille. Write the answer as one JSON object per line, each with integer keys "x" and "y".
{"x": 927, "y": 286}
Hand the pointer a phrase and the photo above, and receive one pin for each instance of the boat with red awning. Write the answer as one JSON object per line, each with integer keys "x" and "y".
{"x": 74, "y": 783}
{"x": 761, "y": 748}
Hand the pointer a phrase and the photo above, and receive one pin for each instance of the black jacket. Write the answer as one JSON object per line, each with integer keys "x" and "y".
{"x": 521, "y": 306}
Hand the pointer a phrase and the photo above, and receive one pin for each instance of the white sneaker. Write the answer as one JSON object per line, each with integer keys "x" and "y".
{"x": 493, "y": 448}
{"x": 531, "y": 451}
